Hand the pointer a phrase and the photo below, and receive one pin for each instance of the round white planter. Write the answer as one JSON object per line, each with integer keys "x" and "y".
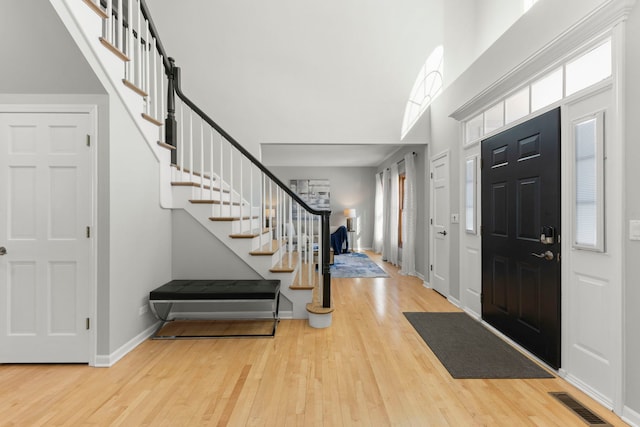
{"x": 320, "y": 321}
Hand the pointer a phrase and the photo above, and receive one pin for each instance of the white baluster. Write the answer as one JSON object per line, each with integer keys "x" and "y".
{"x": 201, "y": 159}
{"x": 130, "y": 42}
{"x": 241, "y": 196}
{"x": 211, "y": 165}
{"x": 263, "y": 206}
{"x": 300, "y": 240}
{"x": 181, "y": 142}
{"x": 289, "y": 225}
{"x": 310, "y": 254}
{"x": 120, "y": 24}
{"x": 231, "y": 186}
{"x": 221, "y": 173}
{"x": 153, "y": 92}
{"x": 161, "y": 112}
{"x": 190, "y": 145}
{"x": 109, "y": 23}
{"x": 251, "y": 195}
{"x": 147, "y": 69}
{"x": 279, "y": 225}
{"x": 138, "y": 65}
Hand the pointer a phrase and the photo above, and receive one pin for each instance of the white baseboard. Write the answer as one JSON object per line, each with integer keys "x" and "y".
{"x": 590, "y": 391}
{"x": 454, "y": 301}
{"x": 630, "y": 416}
{"x": 106, "y": 361}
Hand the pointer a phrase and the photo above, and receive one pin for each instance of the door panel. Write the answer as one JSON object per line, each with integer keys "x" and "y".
{"x": 521, "y": 194}
{"x": 440, "y": 219}
{"x": 45, "y": 207}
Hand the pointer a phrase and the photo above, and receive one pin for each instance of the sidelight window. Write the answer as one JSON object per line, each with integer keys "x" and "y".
{"x": 588, "y": 200}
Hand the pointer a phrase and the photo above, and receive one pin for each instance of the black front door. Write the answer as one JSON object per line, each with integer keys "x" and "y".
{"x": 520, "y": 234}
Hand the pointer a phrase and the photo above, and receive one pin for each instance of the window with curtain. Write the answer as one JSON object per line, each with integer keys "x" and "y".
{"x": 401, "y": 182}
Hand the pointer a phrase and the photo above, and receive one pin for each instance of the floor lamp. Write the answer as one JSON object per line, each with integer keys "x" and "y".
{"x": 350, "y": 214}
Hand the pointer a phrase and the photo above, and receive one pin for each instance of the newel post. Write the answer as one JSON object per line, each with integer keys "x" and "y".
{"x": 170, "y": 124}
{"x": 326, "y": 268}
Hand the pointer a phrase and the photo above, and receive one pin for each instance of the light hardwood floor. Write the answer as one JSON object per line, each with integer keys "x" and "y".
{"x": 370, "y": 368}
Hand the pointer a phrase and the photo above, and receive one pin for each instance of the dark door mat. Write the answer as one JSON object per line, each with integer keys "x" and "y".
{"x": 469, "y": 350}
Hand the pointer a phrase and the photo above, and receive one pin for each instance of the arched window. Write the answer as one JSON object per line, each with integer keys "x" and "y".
{"x": 427, "y": 86}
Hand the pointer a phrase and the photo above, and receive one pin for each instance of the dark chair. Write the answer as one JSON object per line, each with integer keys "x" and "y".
{"x": 339, "y": 239}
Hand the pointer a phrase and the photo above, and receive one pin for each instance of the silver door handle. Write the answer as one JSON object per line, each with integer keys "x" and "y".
{"x": 444, "y": 233}
{"x": 3, "y": 250}
{"x": 548, "y": 255}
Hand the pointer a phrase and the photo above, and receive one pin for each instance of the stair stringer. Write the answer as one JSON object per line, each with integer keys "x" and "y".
{"x": 260, "y": 264}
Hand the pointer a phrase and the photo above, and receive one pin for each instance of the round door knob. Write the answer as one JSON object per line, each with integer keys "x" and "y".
{"x": 3, "y": 250}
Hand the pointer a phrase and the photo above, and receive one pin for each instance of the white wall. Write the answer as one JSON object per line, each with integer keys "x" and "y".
{"x": 350, "y": 188}
{"x": 198, "y": 254}
{"x": 140, "y": 230}
{"x": 39, "y": 56}
{"x": 632, "y": 248}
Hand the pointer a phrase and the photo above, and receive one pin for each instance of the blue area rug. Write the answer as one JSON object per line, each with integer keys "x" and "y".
{"x": 355, "y": 265}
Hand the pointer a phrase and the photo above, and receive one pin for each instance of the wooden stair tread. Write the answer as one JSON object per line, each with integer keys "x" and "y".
{"x": 114, "y": 49}
{"x": 302, "y": 277}
{"x": 165, "y": 145}
{"x": 230, "y": 218}
{"x": 135, "y": 88}
{"x": 97, "y": 9}
{"x": 194, "y": 184}
{"x": 268, "y": 249}
{"x": 212, "y": 202}
{"x": 318, "y": 309}
{"x": 151, "y": 119}
{"x": 248, "y": 234}
{"x": 284, "y": 266}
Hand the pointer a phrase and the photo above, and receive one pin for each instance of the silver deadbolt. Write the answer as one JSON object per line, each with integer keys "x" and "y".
{"x": 548, "y": 255}
{"x": 3, "y": 250}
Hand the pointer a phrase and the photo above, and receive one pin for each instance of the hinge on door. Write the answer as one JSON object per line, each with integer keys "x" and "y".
{"x": 431, "y": 267}
{"x": 481, "y": 163}
{"x": 88, "y": 323}
{"x": 431, "y": 221}
{"x": 431, "y": 175}
{"x": 88, "y": 232}
{"x": 88, "y": 140}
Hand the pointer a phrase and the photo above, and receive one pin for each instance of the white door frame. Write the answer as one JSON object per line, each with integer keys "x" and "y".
{"x": 92, "y": 111}
{"x": 432, "y": 245}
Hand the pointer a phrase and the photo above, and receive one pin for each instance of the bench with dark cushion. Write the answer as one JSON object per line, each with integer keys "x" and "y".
{"x": 198, "y": 291}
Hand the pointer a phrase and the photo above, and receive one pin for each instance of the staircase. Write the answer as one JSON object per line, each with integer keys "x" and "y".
{"x": 204, "y": 171}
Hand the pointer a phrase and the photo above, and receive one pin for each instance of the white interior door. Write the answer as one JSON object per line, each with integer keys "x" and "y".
{"x": 45, "y": 197}
{"x": 440, "y": 232}
{"x": 592, "y": 283}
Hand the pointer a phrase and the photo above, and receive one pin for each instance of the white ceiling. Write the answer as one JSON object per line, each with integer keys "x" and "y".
{"x": 337, "y": 155}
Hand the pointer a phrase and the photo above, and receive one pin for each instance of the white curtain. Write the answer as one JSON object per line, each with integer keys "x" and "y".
{"x": 378, "y": 221}
{"x": 392, "y": 234}
{"x": 409, "y": 218}
{"x": 386, "y": 212}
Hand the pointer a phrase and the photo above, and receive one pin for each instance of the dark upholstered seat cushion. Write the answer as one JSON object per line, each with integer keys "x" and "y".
{"x": 216, "y": 290}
